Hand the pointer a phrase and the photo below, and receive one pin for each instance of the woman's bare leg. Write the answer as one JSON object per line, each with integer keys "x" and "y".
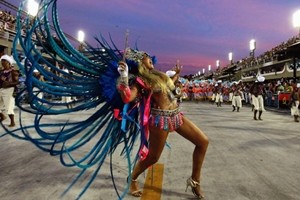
{"x": 157, "y": 140}
{"x": 192, "y": 133}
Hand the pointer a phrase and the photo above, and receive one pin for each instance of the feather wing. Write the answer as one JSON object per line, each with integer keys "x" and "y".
{"x": 89, "y": 77}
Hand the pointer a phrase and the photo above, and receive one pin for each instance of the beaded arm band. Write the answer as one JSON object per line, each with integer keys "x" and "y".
{"x": 125, "y": 92}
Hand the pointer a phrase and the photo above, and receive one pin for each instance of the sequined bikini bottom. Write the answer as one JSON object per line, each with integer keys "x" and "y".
{"x": 167, "y": 120}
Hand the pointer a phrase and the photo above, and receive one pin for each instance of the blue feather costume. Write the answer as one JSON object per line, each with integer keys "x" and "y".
{"x": 92, "y": 84}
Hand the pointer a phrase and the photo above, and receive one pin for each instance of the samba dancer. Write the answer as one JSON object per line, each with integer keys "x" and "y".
{"x": 165, "y": 116}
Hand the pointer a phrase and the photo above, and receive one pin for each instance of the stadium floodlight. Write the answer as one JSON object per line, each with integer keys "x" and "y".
{"x": 296, "y": 20}
{"x": 230, "y": 57}
{"x": 80, "y": 36}
{"x": 252, "y": 45}
{"x": 32, "y": 7}
{"x": 218, "y": 63}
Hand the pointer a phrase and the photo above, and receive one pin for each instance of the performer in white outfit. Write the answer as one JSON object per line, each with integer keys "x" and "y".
{"x": 257, "y": 91}
{"x": 219, "y": 94}
{"x": 294, "y": 102}
{"x": 236, "y": 98}
{"x": 9, "y": 79}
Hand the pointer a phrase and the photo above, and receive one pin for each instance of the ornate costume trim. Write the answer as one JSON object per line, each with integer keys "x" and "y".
{"x": 167, "y": 120}
{"x": 134, "y": 55}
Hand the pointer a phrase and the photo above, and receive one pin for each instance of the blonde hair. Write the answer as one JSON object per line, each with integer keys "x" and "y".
{"x": 155, "y": 79}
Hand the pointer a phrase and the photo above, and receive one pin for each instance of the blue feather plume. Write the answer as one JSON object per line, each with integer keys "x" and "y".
{"x": 90, "y": 81}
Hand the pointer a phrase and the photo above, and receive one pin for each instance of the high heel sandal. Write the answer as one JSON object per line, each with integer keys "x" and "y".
{"x": 136, "y": 193}
{"x": 193, "y": 184}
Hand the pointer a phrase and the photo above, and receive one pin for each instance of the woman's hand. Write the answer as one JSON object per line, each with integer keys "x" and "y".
{"x": 177, "y": 67}
{"x": 123, "y": 69}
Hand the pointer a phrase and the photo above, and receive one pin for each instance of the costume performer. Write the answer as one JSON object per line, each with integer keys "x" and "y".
{"x": 294, "y": 102}
{"x": 9, "y": 79}
{"x": 219, "y": 93}
{"x": 257, "y": 92}
{"x": 236, "y": 97}
{"x": 122, "y": 103}
{"x": 165, "y": 116}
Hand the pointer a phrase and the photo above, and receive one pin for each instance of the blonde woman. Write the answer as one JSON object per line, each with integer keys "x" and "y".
{"x": 165, "y": 116}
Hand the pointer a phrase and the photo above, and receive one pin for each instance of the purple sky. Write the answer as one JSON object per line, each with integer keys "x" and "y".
{"x": 196, "y": 32}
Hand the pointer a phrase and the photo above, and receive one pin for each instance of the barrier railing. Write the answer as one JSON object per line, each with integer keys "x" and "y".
{"x": 280, "y": 100}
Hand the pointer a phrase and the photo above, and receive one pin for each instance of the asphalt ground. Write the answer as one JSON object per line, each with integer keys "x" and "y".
{"x": 246, "y": 160}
